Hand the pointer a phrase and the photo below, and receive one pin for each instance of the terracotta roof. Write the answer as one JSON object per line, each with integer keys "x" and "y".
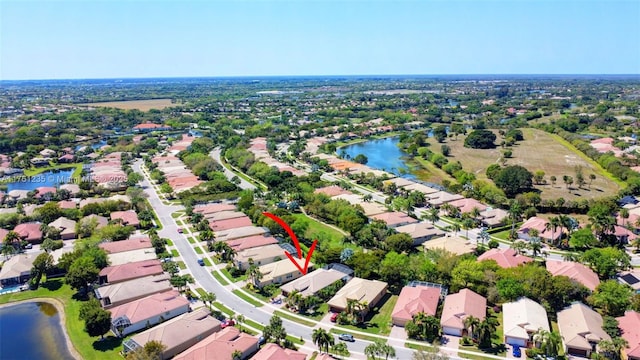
{"x": 223, "y": 215}
{"x": 413, "y": 300}
{"x": 240, "y": 232}
{"x": 395, "y": 218}
{"x": 575, "y": 271}
{"x": 248, "y": 242}
{"x": 150, "y": 306}
{"x": 274, "y": 352}
{"x": 150, "y": 126}
{"x": 29, "y": 231}
{"x": 124, "y": 272}
{"x": 129, "y": 217}
{"x": 113, "y": 247}
{"x": 221, "y": 346}
{"x": 457, "y": 307}
{"x": 227, "y": 224}
{"x": 505, "y": 258}
{"x": 126, "y": 291}
{"x": 467, "y": 205}
{"x": 631, "y": 331}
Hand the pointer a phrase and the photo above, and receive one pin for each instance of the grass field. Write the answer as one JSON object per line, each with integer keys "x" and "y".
{"x": 142, "y": 105}
{"x": 378, "y": 320}
{"x": 538, "y": 151}
{"x": 316, "y": 228}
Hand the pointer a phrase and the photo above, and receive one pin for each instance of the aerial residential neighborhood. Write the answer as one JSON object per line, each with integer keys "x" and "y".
{"x": 274, "y": 180}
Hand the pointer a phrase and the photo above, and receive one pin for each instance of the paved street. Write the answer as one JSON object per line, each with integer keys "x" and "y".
{"x": 244, "y": 184}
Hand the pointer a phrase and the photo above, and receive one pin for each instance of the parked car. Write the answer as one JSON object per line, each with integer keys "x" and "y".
{"x": 180, "y": 230}
{"x": 28, "y": 246}
{"x": 201, "y": 262}
{"x": 334, "y": 317}
{"x": 346, "y": 337}
{"x": 227, "y": 322}
{"x": 516, "y": 351}
{"x": 261, "y": 340}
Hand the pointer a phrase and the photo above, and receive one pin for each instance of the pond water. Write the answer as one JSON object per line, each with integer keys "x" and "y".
{"x": 383, "y": 154}
{"x": 32, "y": 331}
{"x": 47, "y": 178}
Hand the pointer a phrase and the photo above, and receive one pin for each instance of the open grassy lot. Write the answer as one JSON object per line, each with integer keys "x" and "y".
{"x": 538, "y": 151}
{"x": 378, "y": 321}
{"x": 142, "y": 105}
{"x": 316, "y": 228}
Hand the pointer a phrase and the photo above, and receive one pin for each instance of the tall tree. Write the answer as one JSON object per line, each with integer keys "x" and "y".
{"x": 322, "y": 339}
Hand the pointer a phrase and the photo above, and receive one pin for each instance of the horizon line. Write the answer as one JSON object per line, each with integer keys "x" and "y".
{"x": 331, "y": 76}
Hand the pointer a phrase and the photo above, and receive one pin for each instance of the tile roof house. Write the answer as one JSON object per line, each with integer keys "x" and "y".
{"x": 333, "y": 190}
{"x": 242, "y": 243}
{"x": 413, "y": 300}
{"x": 371, "y": 208}
{"x": 128, "y": 217}
{"x": 575, "y": 271}
{"x": 260, "y": 255}
{"x": 466, "y": 205}
{"x": 147, "y": 127}
{"x": 148, "y": 311}
{"x": 281, "y": 272}
{"x": 314, "y": 281}
{"x": 272, "y": 351}
{"x": 439, "y": 198}
{"x": 540, "y": 225}
{"x": 521, "y": 319}
{"x": 223, "y": 215}
{"x": 363, "y": 290}
{"x": 458, "y": 307}
{"x": 132, "y": 256}
{"x": 228, "y": 224}
{"x": 213, "y": 208}
{"x": 395, "y": 218}
{"x": 129, "y": 271}
{"x": 221, "y": 345}
{"x": 420, "y": 232}
{"x": 66, "y": 226}
{"x": 505, "y": 258}
{"x": 453, "y": 244}
{"x": 493, "y": 217}
{"x": 100, "y": 221}
{"x": 17, "y": 269}
{"x": 581, "y": 329}
{"x": 135, "y": 243}
{"x": 631, "y": 332}
{"x": 121, "y": 293}
{"x": 177, "y": 334}
{"x": 29, "y": 232}
{"x": 67, "y": 204}
{"x": 241, "y": 232}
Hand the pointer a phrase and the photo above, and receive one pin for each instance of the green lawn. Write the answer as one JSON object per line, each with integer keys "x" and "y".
{"x": 88, "y": 347}
{"x": 75, "y": 175}
{"x": 316, "y": 228}
{"x": 253, "y": 324}
{"x": 198, "y": 250}
{"x": 220, "y": 278}
{"x": 320, "y": 312}
{"x": 245, "y": 297}
{"x": 206, "y": 262}
{"x": 226, "y": 273}
{"x": 169, "y": 242}
{"x": 175, "y": 253}
{"x": 177, "y": 214}
{"x": 289, "y": 316}
{"x": 378, "y": 321}
{"x": 223, "y": 308}
{"x": 182, "y": 265}
{"x": 191, "y": 240}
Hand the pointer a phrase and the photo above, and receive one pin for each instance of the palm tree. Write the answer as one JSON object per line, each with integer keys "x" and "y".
{"x": 240, "y": 319}
{"x": 475, "y": 213}
{"x": 236, "y": 355}
{"x": 207, "y": 236}
{"x": 515, "y": 211}
{"x": 486, "y": 331}
{"x": 624, "y": 214}
{"x": 208, "y": 299}
{"x": 548, "y": 342}
{"x": 455, "y": 227}
{"x": 322, "y": 339}
{"x": 12, "y": 239}
{"x": 433, "y": 215}
{"x": 471, "y": 324}
{"x": 254, "y": 274}
{"x": 553, "y": 224}
{"x": 467, "y": 224}
{"x": 611, "y": 349}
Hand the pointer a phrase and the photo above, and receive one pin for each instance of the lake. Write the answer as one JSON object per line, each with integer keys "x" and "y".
{"x": 383, "y": 154}
{"x": 46, "y": 178}
{"x": 32, "y": 331}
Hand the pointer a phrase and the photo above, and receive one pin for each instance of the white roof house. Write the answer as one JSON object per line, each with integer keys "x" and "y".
{"x": 521, "y": 319}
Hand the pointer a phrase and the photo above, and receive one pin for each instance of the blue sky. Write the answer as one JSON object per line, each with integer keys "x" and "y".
{"x": 117, "y": 39}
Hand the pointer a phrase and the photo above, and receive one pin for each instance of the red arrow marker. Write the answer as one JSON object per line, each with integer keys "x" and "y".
{"x": 293, "y": 236}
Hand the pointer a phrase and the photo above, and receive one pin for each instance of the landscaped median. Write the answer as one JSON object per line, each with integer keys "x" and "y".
{"x": 241, "y": 294}
{"x": 220, "y": 278}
